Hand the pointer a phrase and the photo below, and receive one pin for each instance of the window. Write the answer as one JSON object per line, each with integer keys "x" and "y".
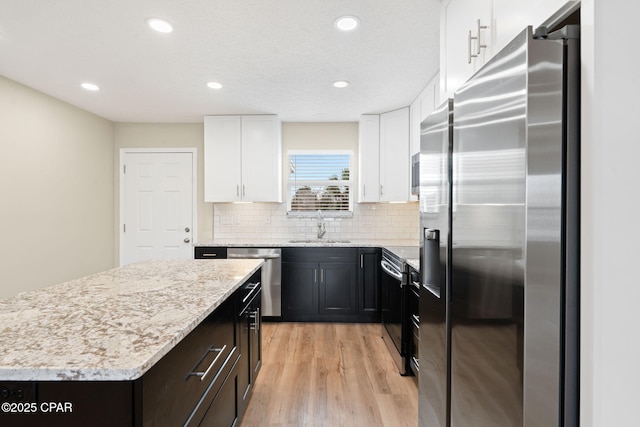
{"x": 319, "y": 181}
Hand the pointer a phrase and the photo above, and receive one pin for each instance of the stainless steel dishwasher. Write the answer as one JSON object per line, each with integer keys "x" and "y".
{"x": 271, "y": 276}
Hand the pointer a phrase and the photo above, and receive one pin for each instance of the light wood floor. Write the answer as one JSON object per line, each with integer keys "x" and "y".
{"x": 327, "y": 374}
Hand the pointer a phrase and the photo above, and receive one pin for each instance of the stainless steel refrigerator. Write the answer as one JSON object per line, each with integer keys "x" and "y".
{"x": 499, "y": 225}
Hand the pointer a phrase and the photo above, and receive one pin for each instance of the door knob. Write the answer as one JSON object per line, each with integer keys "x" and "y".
{"x": 187, "y": 229}
{"x": 187, "y": 240}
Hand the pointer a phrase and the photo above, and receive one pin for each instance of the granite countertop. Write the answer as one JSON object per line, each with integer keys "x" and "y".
{"x": 331, "y": 242}
{"x": 113, "y": 325}
{"x": 414, "y": 262}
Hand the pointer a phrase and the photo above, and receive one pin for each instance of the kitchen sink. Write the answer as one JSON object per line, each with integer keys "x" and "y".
{"x": 318, "y": 241}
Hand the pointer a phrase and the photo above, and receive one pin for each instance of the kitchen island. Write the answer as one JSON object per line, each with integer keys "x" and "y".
{"x": 95, "y": 346}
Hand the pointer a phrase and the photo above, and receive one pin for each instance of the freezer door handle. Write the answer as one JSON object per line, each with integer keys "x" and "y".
{"x": 435, "y": 290}
{"x": 430, "y": 268}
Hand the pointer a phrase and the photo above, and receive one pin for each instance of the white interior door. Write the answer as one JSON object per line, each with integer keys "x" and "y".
{"x": 156, "y": 206}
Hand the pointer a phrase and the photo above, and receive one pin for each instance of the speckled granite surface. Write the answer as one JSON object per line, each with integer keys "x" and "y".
{"x": 346, "y": 242}
{"x": 414, "y": 262}
{"x": 112, "y": 325}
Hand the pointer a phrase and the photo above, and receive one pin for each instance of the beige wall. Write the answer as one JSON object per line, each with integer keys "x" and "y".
{"x": 319, "y": 136}
{"x": 166, "y": 135}
{"x": 56, "y": 187}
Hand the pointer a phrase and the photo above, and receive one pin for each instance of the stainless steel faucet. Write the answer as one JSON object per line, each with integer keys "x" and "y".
{"x": 321, "y": 226}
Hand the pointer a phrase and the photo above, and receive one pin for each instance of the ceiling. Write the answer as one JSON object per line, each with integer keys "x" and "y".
{"x": 278, "y": 56}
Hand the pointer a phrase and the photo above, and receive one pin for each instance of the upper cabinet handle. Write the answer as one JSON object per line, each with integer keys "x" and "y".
{"x": 471, "y": 55}
{"x": 480, "y": 45}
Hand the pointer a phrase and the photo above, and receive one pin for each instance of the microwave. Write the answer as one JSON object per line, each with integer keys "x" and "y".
{"x": 415, "y": 174}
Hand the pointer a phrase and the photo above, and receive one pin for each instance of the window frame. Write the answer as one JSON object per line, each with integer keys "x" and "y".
{"x": 340, "y": 183}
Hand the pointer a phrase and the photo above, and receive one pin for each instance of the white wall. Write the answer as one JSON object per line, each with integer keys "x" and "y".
{"x": 610, "y": 350}
{"x": 167, "y": 135}
{"x": 56, "y": 187}
{"x": 239, "y": 222}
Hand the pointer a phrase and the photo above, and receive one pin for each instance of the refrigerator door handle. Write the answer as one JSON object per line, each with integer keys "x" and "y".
{"x": 435, "y": 290}
{"x": 431, "y": 261}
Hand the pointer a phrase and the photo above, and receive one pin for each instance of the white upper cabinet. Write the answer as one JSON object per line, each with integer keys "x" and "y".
{"x": 419, "y": 109}
{"x": 384, "y": 161}
{"x": 242, "y": 159}
{"x": 511, "y": 17}
{"x": 369, "y": 158}
{"x": 465, "y": 41}
{"x": 472, "y": 31}
{"x": 395, "y": 162}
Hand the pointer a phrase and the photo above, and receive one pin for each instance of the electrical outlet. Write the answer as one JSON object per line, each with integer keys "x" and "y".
{"x": 17, "y": 392}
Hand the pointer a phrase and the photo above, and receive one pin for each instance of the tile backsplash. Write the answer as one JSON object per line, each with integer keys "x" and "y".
{"x": 270, "y": 221}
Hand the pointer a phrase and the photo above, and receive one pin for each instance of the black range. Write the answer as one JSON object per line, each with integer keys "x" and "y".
{"x": 396, "y": 304}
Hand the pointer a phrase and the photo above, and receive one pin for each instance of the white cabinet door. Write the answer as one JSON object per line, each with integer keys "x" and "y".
{"x": 261, "y": 159}
{"x": 369, "y": 158}
{"x": 430, "y": 98}
{"x": 424, "y": 104}
{"x": 460, "y": 57}
{"x": 394, "y": 156}
{"x": 222, "y": 158}
{"x": 242, "y": 159}
{"x": 414, "y": 124}
{"x": 510, "y": 17}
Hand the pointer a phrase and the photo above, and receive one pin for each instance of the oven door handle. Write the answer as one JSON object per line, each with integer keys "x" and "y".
{"x": 388, "y": 268}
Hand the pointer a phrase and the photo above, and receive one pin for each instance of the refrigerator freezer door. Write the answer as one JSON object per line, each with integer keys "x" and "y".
{"x": 435, "y": 220}
{"x": 507, "y": 192}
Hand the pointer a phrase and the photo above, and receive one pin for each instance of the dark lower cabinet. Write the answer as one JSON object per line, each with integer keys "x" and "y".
{"x": 319, "y": 284}
{"x": 337, "y": 288}
{"x": 250, "y": 341}
{"x": 205, "y": 380}
{"x": 299, "y": 289}
{"x": 224, "y": 410}
{"x": 369, "y": 284}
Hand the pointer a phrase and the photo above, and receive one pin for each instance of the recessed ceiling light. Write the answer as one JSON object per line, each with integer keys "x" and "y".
{"x": 347, "y": 23}
{"x": 341, "y": 84}
{"x": 90, "y": 86}
{"x": 159, "y": 25}
{"x": 214, "y": 85}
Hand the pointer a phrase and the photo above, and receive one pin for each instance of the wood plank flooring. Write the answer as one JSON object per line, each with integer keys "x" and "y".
{"x": 328, "y": 374}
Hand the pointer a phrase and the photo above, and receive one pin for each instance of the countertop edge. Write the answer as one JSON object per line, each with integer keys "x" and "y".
{"x": 121, "y": 373}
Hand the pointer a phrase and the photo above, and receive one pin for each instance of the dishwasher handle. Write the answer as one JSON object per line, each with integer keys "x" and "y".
{"x": 253, "y": 256}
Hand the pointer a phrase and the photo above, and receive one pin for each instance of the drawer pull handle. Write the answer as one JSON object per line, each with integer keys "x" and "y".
{"x": 210, "y": 255}
{"x": 255, "y": 326}
{"x": 202, "y": 375}
{"x": 415, "y": 320}
{"x": 252, "y": 287}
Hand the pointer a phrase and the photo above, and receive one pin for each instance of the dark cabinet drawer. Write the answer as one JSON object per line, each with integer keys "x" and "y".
{"x": 209, "y": 252}
{"x": 223, "y": 410}
{"x": 314, "y": 254}
{"x": 218, "y": 406}
{"x": 250, "y": 344}
{"x": 175, "y": 385}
